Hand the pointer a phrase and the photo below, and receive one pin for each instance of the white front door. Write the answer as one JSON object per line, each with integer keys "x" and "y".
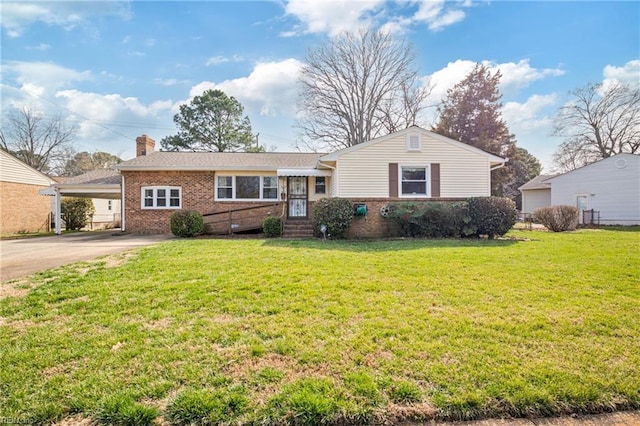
{"x": 582, "y": 203}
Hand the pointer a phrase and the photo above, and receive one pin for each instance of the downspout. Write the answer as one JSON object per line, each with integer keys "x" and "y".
{"x": 122, "y": 209}
{"x": 58, "y": 213}
{"x": 334, "y": 178}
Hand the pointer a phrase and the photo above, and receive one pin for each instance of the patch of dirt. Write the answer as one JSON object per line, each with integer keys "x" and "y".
{"x": 161, "y": 324}
{"x": 76, "y": 421}
{"x": 17, "y": 288}
{"x": 396, "y": 414}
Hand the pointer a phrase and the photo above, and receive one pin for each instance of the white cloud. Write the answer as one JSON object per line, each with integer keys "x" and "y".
{"x": 331, "y": 16}
{"x": 41, "y": 47}
{"x": 530, "y": 116}
{"x": 628, "y": 73}
{"x": 515, "y": 76}
{"x": 169, "y": 81}
{"x": 270, "y": 90}
{"x": 217, "y": 60}
{"x": 43, "y": 74}
{"x": 520, "y": 74}
{"x": 17, "y": 17}
{"x": 437, "y": 14}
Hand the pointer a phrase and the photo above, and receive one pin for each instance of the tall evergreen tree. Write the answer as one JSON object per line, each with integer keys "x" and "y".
{"x": 212, "y": 122}
{"x": 470, "y": 113}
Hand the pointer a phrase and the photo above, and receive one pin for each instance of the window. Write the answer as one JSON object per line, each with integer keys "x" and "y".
{"x": 161, "y": 197}
{"x": 270, "y": 187}
{"x": 109, "y": 205}
{"x": 321, "y": 185}
{"x": 413, "y": 181}
{"x": 247, "y": 188}
{"x": 413, "y": 142}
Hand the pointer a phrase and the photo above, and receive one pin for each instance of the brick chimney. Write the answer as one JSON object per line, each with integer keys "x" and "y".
{"x": 144, "y": 145}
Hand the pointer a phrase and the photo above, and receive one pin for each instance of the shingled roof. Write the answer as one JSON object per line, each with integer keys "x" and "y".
{"x": 538, "y": 182}
{"x": 94, "y": 177}
{"x": 220, "y": 161}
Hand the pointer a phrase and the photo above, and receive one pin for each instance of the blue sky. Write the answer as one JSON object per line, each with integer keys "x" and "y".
{"x": 121, "y": 69}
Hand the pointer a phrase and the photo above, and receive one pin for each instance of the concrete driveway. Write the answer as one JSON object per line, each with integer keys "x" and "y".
{"x": 29, "y": 255}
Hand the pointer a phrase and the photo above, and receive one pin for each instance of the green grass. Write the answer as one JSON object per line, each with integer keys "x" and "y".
{"x": 312, "y": 332}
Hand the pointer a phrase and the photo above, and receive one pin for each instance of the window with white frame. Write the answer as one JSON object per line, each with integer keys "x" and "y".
{"x": 161, "y": 197}
{"x": 321, "y": 185}
{"x": 246, "y": 188}
{"x": 414, "y": 142}
{"x": 414, "y": 181}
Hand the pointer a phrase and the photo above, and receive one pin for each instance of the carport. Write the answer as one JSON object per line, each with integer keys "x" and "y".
{"x": 103, "y": 183}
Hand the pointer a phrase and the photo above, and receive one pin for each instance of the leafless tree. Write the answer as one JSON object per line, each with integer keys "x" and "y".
{"x": 356, "y": 87}
{"x": 598, "y": 123}
{"x": 43, "y": 143}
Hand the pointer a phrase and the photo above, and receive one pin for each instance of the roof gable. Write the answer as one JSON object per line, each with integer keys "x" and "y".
{"x": 538, "y": 182}
{"x": 632, "y": 160}
{"x": 335, "y": 155}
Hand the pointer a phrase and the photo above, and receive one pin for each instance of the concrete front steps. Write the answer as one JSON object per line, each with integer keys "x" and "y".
{"x": 297, "y": 229}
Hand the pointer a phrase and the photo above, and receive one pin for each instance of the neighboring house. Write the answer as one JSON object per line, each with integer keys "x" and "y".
{"x": 22, "y": 208}
{"x": 107, "y": 211}
{"x": 536, "y": 193}
{"x": 412, "y": 164}
{"x": 610, "y": 187}
{"x": 103, "y": 186}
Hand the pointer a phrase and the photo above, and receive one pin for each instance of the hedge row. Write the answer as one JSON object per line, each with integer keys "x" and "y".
{"x": 491, "y": 216}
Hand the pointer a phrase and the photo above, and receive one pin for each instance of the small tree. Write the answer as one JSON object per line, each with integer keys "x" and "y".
{"x": 76, "y": 212}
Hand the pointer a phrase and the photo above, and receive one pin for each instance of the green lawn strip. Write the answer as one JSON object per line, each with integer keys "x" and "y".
{"x": 313, "y": 331}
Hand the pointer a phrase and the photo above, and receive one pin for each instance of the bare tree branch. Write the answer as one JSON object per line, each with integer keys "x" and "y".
{"x": 598, "y": 123}
{"x": 357, "y": 87}
{"x": 44, "y": 144}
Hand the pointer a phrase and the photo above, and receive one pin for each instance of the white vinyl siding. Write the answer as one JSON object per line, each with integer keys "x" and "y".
{"x": 535, "y": 198}
{"x": 611, "y": 190}
{"x": 365, "y": 172}
{"x": 14, "y": 170}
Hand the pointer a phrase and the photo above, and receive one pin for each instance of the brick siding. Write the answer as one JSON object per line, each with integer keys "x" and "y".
{"x": 197, "y": 194}
{"x": 23, "y": 209}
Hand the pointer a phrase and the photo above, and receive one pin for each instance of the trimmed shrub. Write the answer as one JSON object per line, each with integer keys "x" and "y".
{"x": 272, "y": 227}
{"x": 336, "y": 214}
{"x": 410, "y": 217}
{"x": 432, "y": 219}
{"x": 76, "y": 212}
{"x": 492, "y": 216}
{"x": 187, "y": 223}
{"x": 123, "y": 410}
{"x": 558, "y": 218}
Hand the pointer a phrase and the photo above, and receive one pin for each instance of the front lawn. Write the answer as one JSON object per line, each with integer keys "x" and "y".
{"x": 307, "y": 332}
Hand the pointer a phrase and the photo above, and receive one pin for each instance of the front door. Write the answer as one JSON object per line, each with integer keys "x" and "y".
{"x": 298, "y": 196}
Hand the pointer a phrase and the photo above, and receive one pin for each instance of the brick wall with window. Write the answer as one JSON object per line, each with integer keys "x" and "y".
{"x": 151, "y": 198}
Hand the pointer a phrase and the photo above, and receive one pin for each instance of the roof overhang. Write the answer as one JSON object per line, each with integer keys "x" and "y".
{"x": 108, "y": 191}
{"x": 303, "y": 172}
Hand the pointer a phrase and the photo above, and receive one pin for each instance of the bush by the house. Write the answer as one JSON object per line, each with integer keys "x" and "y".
{"x": 557, "y": 218}
{"x": 272, "y": 227}
{"x": 187, "y": 223}
{"x": 336, "y": 214}
{"x": 76, "y": 212}
{"x": 432, "y": 219}
{"x": 492, "y": 216}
